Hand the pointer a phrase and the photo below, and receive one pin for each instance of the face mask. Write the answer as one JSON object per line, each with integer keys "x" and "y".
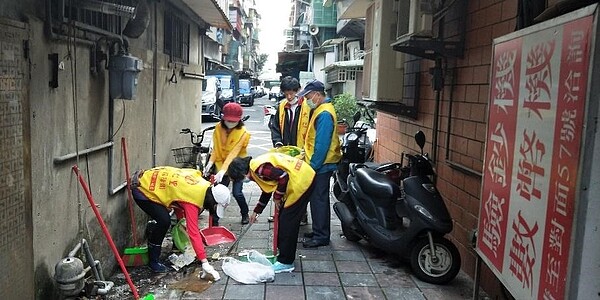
{"x": 293, "y": 101}
{"x": 230, "y": 124}
{"x": 310, "y": 103}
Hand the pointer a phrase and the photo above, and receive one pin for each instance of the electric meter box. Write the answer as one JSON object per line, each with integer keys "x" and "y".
{"x": 123, "y": 76}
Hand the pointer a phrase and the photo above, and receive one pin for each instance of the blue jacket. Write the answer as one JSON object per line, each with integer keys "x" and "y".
{"x": 325, "y": 128}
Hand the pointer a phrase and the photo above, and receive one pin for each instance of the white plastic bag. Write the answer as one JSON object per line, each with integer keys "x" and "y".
{"x": 257, "y": 269}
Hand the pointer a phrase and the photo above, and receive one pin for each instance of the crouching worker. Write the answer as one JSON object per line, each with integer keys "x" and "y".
{"x": 159, "y": 189}
{"x": 289, "y": 180}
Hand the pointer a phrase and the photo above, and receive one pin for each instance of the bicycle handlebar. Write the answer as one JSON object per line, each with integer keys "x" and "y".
{"x": 195, "y": 138}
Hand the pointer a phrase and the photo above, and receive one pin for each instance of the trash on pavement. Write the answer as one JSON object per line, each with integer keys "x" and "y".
{"x": 257, "y": 268}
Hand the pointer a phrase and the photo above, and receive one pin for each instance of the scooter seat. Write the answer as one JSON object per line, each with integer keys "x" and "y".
{"x": 376, "y": 184}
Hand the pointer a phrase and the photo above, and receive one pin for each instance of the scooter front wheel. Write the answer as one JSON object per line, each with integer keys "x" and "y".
{"x": 440, "y": 268}
{"x": 350, "y": 235}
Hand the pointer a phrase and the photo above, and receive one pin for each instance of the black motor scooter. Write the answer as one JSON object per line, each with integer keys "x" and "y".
{"x": 403, "y": 214}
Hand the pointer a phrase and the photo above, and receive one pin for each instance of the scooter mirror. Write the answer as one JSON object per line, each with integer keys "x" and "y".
{"x": 420, "y": 139}
{"x": 356, "y": 117}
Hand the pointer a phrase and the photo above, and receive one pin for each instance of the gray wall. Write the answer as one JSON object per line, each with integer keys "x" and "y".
{"x": 61, "y": 124}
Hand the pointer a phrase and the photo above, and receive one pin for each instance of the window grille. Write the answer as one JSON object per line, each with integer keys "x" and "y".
{"x": 66, "y": 11}
{"x": 342, "y": 75}
{"x": 177, "y": 37}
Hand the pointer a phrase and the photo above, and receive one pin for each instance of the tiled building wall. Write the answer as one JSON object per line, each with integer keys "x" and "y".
{"x": 459, "y": 166}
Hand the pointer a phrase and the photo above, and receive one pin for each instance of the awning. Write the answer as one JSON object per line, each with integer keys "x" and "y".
{"x": 333, "y": 41}
{"x": 344, "y": 64}
{"x": 353, "y": 9}
{"x": 210, "y": 12}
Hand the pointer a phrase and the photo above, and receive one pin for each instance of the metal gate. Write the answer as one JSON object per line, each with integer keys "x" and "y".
{"x": 16, "y": 229}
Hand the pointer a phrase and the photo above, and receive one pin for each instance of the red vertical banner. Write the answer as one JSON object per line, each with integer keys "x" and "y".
{"x": 497, "y": 173}
{"x": 565, "y": 158}
{"x": 538, "y": 94}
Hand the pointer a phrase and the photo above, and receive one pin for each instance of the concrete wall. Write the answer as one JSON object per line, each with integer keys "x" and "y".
{"x": 486, "y": 20}
{"x": 75, "y": 116}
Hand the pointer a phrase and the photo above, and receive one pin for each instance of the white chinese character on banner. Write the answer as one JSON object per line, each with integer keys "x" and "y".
{"x": 499, "y": 157}
{"x": 557, "y": 231}
{"x": 562, "y": 192}
{"x": 572, "y": 86}
{"x": 575, "y": 49}
{"x": 552, "y": 272}
{"x": 491, "y": 234}
{"x": 504, "y": 81}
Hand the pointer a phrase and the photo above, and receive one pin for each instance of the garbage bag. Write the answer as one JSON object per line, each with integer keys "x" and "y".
{"x": 257, "y": 268}
{"x": 289, "y": 150}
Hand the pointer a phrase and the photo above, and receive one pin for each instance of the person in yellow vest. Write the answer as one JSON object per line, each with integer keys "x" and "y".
{"x": 159, "y": 189}
{"x": 230, "y": 140}
{"x": 289, "y": 124}
{"x": 322, "y": 152}
{"x": 289, "y": 180}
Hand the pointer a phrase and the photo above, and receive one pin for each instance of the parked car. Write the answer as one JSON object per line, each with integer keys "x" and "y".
{"x": 210, "y": 93}
{"x": 245, "y": 95}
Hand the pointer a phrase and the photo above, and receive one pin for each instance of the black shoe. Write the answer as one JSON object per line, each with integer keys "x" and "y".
{"x": 245, "y": 219}
{"x": 154, "y": 259}
{"x": 309, "y": 235}
{"x": 215, "y": 223}
{"x": 314, "y": 244}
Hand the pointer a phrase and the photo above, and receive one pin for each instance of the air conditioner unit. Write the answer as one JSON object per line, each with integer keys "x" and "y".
{"x": 415, "y": 18}
{"x": 354, "y": 52}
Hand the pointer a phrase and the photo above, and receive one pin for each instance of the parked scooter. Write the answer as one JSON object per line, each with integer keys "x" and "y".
{"x": 400, "y": 212}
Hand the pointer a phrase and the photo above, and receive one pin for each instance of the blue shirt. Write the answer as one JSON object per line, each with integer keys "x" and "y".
{"x": 325, "y": 127}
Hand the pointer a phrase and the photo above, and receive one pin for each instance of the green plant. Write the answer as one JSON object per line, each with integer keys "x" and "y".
{"x": 345, "y": 107}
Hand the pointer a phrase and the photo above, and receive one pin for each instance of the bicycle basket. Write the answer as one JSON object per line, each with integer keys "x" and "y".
{"x": 185, "y": 155}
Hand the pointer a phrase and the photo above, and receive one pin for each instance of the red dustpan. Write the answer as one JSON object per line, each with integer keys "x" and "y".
{"x": 215, "y": 235}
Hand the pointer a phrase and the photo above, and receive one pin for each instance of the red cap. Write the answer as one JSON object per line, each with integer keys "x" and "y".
{"x": 232, "y": 112}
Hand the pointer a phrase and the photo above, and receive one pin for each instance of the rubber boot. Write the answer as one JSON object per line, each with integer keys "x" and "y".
{"x": 154, "y": 259}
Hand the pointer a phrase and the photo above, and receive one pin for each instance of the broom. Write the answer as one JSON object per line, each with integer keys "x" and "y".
{"x": 137, "y": 255}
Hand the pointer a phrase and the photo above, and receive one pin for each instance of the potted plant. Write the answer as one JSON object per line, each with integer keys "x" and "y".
{"x": 345, "y": 107}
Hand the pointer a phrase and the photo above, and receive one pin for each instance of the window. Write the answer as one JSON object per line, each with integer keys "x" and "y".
{"x": 87, "y": 17}
{"x": 177, "y": 37}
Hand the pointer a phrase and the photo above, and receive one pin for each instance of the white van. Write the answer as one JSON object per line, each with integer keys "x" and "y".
{"x": 210, "y": 93}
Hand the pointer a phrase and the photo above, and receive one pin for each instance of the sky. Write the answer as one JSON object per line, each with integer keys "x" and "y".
{"x": 274, "y": 19}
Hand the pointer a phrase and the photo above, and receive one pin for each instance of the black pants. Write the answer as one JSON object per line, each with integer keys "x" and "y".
{"x": 158, "y": 213}
{"x": 289, "y": 226}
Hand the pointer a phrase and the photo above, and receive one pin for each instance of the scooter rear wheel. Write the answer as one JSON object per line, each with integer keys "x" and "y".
{"x": 438, "y": 269}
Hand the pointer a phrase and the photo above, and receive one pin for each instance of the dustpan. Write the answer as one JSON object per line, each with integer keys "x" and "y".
{"x": 215, "y": 235}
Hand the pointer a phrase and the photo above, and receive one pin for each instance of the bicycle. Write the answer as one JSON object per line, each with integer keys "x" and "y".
{"x": 195, "y": 156}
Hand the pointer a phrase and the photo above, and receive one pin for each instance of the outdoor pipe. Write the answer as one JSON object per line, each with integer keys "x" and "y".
{"x": 105, "y": 231}
{"x": 111, "y": 117}
{"x": 154, "y": 83}
{"x": 66, "y": 157}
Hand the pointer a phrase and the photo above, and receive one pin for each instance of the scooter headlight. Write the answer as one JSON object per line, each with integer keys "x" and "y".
{"x": 423, "y": 211}
{"x": 352, "y": 136}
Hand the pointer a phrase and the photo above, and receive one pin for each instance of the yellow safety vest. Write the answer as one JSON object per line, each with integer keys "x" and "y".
{"x": 334, "y": 154}
{"x": 302, "y": 122}
{"x": 223, "y": 143}
{"x": 164, "y": 185}
{"x": 300, "y": 175}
